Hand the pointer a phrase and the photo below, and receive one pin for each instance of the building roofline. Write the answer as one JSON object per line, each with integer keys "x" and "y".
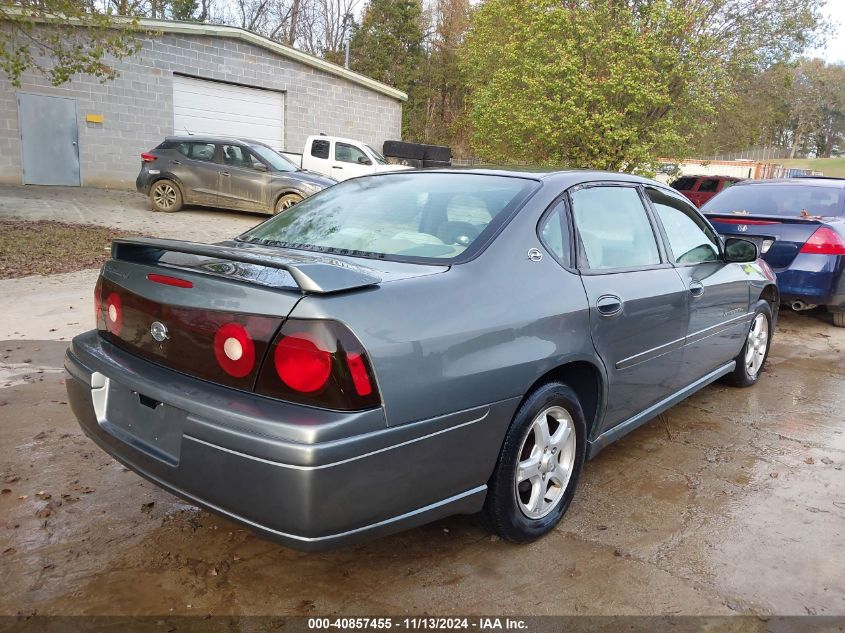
{"x": 236, "y": 33}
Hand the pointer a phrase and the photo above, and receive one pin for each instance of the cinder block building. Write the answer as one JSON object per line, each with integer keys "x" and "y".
{"x": 187, "y": 79}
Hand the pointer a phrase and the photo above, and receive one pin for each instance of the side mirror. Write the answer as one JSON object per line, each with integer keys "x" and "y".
{"x": 363, "y": 160}
{"x": 261, "y": 167}
{"x": 740, "y": 251}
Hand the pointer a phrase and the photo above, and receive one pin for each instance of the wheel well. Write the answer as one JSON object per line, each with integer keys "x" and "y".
{"x": 770, "y": 294}
{"x": 585, "y": 380}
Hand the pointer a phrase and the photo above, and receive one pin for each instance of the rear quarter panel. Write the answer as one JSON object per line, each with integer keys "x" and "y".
{"x": 482, "y": 332}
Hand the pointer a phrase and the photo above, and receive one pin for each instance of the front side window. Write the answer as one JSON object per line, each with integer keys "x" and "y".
{"x": 197, "y": 151}
{"x": 320, "y": 149}
{"x": 273, "y": 158}
{"x": 395, "y": 216}
{"x": 554, "y": 232}
{"x": 691, "y": 240}
{"x": 237, "y": 156}
{"x": 346, "y": 153}
{"x": 614, "y": 228}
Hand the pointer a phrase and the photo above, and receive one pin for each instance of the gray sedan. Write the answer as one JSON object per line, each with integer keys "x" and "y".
{"x": 220, "y": 172}
{"x": 407, "y": 346}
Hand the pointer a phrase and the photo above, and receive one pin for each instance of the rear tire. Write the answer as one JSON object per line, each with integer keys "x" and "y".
{"x": 286, "y": 202}
{"x": 166, "y": 196}
{"x": 752, "y": 357}
{"x": 838, "y": 319}
{"x": 537, "y": 471}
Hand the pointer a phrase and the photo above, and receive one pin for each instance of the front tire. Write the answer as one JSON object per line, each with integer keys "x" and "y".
{"x": 538, "y": 467}
{"x": 752, "y": 357}
{"x": 166, "y": 196}
{"x": 286, "y": 202}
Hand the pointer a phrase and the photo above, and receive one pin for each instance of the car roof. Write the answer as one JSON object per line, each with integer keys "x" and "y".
{"x": 709, "y": 176}
{"x": 562, "y": 177}
{"x": 805, "y": 181}
{"x": 210, "y": 138}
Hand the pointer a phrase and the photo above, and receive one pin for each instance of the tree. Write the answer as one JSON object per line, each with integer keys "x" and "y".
{"x": 34, "y": 38}
{"x": 613, "y": 84}
{"x": 388, "y": 46}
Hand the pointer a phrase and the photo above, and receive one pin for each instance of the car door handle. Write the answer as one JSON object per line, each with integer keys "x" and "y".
{"x": 609, "y": 305}
{"x": 696, "y": 289}
{"x": 336, "y": 167}
{"x": 225, "y": 173}
{"x": 175, "y": 162}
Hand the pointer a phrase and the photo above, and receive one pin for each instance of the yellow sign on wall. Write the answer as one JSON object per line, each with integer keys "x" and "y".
{"x": 94, "y": 118}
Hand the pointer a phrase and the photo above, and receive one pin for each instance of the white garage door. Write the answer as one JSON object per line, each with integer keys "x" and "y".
{"x": 211, "y": 107}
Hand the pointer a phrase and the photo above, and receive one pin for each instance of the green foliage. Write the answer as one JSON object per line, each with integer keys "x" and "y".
{"x": 614, "y": 85}
{"x": 388, "y": 46}
{"x": 35, "y": 37}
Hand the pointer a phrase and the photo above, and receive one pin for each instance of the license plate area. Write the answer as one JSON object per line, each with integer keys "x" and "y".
{"x": 150, "y": 426}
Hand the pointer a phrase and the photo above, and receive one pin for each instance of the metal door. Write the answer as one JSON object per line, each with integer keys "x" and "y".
{"x": 49, "y": 140}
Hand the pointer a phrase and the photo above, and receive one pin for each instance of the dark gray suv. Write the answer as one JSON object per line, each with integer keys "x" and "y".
{"x": 223, "y": 172}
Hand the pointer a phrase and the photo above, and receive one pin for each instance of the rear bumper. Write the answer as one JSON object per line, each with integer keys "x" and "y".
{"x": 816, "y": 279}
{"x": 142, "y": 182}
{"x": 308, "y": 478}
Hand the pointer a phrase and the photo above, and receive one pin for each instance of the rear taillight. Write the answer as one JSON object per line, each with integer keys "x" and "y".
{"x": 147, "y": 158}
{"x": 319, "y": 363}
{"x": 113, "y": 312}
{"x": 824, "y": 241}
{"x": 234, "y": 350}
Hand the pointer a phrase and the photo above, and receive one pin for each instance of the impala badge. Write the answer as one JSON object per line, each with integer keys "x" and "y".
{"x": 158, "y": 331}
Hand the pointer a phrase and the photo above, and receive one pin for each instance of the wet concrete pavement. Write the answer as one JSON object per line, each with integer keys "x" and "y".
{"x": 733, "y": 502}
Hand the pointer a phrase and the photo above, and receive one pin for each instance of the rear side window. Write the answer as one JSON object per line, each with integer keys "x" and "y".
{"x": 614, "y": 228}
{"x": 406, "y": 215}
{"x": 197, "y": 151}
{"x": 691, "y": 240}
{"x": 320, "y": 149}
{"x": 684, "y": 184}
{"x": 554, "y": 233}
{"x": 793, "y": 200}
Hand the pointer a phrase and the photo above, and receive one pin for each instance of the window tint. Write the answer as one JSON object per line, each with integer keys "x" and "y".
{"x": 691, "y": 240}
{"x": 348, "y": 153}
{"x": 554, "y": 231}
{"x": 407, "y": 214}
{"x": 708, "y": 185}
{"x": 320, "y": 149}
{"x": 684, "y": 184}
{"x": 614, "y": 228}
{"x": 197, "y": 151}
{"x": 237, "y": 156}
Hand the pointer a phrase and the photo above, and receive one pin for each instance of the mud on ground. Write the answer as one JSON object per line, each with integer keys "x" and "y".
{"x": 733, "y": 503}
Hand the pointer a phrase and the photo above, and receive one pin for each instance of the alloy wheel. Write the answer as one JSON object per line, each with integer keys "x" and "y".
{"x": 164, "y": 196}
{"x": 758, "y": 342}
{"x": 546, "y": 459}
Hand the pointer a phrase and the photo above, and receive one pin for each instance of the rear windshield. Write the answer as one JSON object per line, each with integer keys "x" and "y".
{"x": 407, "y": 215}
{"x": 786, "y": 200}
{"x": 684, "y": 184}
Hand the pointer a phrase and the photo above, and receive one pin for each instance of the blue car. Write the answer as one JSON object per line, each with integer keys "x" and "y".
{"x": 798, "y": 225}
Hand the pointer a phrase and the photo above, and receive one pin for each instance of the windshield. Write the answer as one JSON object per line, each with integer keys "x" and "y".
{"x": 787, "y": 200}
{"x": 397, "y": 216}
{"x": 381, "y": 160}
{"x": 274, "y": 159}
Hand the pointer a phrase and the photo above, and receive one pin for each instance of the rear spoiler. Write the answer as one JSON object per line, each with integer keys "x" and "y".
{"x": 322, "y": 275}
{"x": 738, "y": 218}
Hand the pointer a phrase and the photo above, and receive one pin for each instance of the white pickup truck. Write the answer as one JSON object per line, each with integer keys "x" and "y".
{"x": 340, "y": 158}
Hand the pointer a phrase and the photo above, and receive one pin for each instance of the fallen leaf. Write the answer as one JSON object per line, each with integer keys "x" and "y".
{"x": 6, "y": 491}
{"x": 41, "y": 435}
{"x": 774, "y": 475}
{"x": 809, "y": 460}
{"x": 11, "y": 479}
{"x": 827, "y": 460}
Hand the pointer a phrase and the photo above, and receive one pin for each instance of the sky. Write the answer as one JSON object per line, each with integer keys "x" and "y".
{"x": 834, "y": 50}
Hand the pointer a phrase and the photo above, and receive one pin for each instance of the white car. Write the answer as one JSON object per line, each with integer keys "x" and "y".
{"x": 340, "y": 158}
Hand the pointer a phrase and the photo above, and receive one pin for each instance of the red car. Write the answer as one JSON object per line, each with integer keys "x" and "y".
{"x": 700, "y": 189}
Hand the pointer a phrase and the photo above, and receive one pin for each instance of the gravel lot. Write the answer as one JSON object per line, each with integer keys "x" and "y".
{"x": 734, "y": 503}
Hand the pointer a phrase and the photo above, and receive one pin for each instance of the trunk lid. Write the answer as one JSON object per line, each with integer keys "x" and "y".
{"x": 779, "y": 238}
{"x": 213, "y": 311}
